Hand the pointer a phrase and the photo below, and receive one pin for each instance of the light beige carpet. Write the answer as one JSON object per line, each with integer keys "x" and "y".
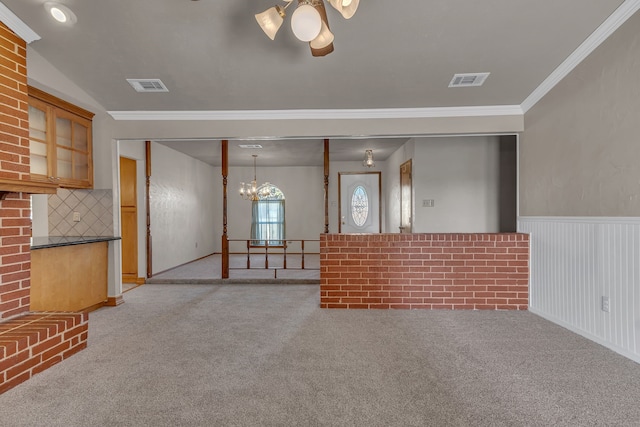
{"x": 266, "y": 355}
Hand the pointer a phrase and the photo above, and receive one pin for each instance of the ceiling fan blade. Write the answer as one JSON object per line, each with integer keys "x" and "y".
{"x": 322, "y": 51}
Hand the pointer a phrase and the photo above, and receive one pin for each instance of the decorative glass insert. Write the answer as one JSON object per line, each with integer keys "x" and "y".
{"x": 359, "y": 206}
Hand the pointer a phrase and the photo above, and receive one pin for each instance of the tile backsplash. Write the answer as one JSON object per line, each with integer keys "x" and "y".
{"x": 93, "y": 208}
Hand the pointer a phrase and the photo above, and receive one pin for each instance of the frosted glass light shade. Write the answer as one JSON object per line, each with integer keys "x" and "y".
{"x": 324, "y": 39}
{"x": 347, "y": 8}
{"x": 271, "y": 20}
{"x": 306, "y": 23}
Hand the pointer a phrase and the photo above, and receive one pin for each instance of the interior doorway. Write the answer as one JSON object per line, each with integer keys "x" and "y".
{"x": 406, "y": 203}
{"x": 129, "y": 220}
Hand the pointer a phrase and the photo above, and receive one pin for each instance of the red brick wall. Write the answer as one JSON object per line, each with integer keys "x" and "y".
{"x": 428, "y": 271}
{"x": 34, "y": 342}
{"x": 15, "y": 222}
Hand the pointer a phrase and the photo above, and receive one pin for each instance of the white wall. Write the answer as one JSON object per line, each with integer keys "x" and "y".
{"x": 461, "y": 175}
{"x": 182, "y": 198}
{"x": 303, "y": 188}
{"x": 575, "y": 262}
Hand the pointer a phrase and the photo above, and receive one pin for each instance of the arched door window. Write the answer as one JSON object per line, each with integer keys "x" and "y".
{"x": 359, "y": 206}
{"x": 267, "y": 218}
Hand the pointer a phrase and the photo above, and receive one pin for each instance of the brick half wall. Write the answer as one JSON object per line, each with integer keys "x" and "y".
{"x": 425, "y": 271}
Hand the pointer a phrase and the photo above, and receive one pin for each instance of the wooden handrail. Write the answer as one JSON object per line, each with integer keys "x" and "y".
{"x": 277, "y": 249}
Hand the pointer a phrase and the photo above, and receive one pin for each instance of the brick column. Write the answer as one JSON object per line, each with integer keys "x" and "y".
{"x": 15, "y": 222}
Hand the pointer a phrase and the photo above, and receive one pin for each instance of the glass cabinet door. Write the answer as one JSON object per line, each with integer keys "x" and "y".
{"x": 72, "y": 148}
{"x": 38, "y": 139}
{"x": 59, "y": 141}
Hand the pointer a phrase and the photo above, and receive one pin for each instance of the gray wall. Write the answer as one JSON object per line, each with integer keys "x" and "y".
{"x": 580, "y": 149}
{"x": 461, "y": 176}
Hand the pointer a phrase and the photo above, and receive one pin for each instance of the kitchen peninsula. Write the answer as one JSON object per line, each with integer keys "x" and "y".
{"x": 69, "y": 273}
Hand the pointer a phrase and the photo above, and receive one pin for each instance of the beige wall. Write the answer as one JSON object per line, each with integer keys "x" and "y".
{"x": 580, "y": 150}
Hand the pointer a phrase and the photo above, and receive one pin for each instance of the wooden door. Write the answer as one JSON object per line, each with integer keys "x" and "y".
{"x": 406, "y": 205}
{"x": 129, "y": 220}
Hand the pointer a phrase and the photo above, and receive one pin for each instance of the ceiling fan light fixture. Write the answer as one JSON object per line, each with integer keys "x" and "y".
{"x": 61, "y": 13}
{"x": 325, "y": 38}
{"x": 347, "y": 8}
{"x": 271, "y": 20}
{"x": 306, "y": 22}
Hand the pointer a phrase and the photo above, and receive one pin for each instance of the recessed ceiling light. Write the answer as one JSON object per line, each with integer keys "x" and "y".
{"x": 251, "y": 146}
{"x": 61, "y": 13}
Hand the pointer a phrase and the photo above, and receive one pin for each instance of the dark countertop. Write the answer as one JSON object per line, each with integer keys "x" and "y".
{"x": 56, "y": 241}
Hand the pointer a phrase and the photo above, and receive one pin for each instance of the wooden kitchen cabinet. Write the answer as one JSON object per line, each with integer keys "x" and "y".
{"x": 60, "y": 142}
{"x": 69, "y": 278}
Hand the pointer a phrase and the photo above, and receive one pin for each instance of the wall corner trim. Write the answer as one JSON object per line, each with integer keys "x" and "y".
{"x": 608, "y": 27}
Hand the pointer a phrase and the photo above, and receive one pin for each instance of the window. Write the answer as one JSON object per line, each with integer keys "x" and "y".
{"x": 359, "y": 206}
{"x": 267, "y": 218}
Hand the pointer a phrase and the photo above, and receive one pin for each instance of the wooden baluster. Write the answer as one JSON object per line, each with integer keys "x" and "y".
{"x": 302, "y": 246}
{"x": 285, "y": 256}
{"x": 248, "y": 254}
{"x": 266, "y": 254}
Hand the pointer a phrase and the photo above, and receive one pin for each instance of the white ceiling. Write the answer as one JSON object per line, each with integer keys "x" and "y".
{"x": 212, "y": 55}
{"x": 287, "y": 152}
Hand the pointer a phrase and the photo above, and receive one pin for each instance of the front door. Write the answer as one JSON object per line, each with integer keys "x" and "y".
{"x": 406, "y": 206}
{"x": 359, "y": 202}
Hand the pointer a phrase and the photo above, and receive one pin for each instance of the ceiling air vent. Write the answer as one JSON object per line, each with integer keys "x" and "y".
{"x": 468, "y": 79}
{"x": 148, "y": 85}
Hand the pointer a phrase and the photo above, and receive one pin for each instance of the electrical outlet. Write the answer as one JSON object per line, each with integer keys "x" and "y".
{"x": 605, "y": 304}
{"x": 428, "y": 203}
{"x": 76, "y": 217}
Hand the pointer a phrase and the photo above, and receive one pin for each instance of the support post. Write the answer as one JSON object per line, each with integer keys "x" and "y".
{"x": 326, "y": 186}
{"x": 147, "y": 150}
{"x": 225, "y": 239}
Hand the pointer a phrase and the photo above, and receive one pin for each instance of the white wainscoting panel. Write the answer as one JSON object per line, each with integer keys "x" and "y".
{"x": 575, "y": 262}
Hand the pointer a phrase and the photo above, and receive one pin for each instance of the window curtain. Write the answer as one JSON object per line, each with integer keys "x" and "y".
{"x": 267, "y": 223}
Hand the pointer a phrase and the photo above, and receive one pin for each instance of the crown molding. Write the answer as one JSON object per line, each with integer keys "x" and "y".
{"x": 611, "y": 24}
{"x": 347, "y": 114}
{"x": 16, "y": 25}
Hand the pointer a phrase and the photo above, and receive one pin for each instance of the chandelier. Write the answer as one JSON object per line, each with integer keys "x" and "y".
{"x": 251, "y": 190}
{"x": 308, "y": 22}
{"x": 368, "y": 159}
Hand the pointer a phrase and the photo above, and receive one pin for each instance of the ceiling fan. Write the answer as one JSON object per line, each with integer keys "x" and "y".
{"x": 309, "y": 22}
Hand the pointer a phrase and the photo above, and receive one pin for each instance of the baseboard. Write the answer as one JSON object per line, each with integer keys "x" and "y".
{"x": 115, "y": 301}
{"x": 183, "y": 264}
{"x": 129, "y": 278}
{"x": 587, "y": 335}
